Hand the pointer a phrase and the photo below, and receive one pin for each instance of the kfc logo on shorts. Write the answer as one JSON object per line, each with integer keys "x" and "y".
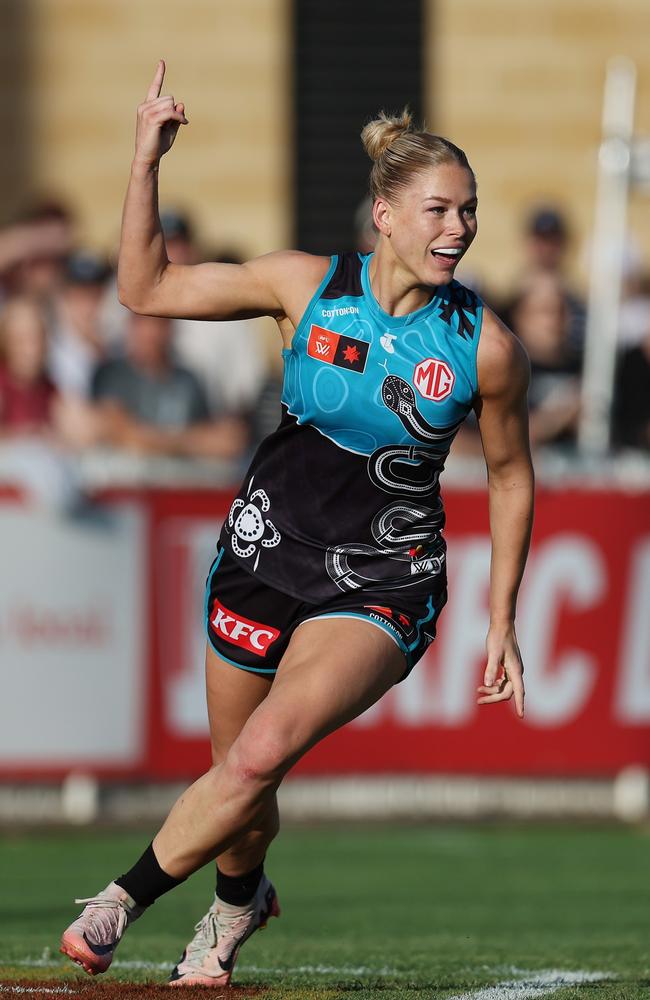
{"x": 242, "y": 632}
{"x": 434, "y": 379}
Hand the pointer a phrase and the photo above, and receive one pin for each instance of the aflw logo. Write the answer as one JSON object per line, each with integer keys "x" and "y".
{"x": 337, "y": 349}
{"x": 434, "y": 379}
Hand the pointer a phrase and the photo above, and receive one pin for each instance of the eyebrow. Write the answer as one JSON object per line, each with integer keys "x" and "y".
{"x": 448, "y": 201}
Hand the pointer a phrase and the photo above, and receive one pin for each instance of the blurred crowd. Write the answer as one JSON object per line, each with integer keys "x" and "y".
{"x": 549, "y": 316}
{"x": 78, "y": 371}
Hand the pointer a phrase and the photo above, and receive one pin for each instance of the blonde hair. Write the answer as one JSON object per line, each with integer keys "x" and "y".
{"x": 399, "y": 150}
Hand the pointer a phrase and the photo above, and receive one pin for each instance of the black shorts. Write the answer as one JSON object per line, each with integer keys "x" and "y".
{"x": 249, "y": 623}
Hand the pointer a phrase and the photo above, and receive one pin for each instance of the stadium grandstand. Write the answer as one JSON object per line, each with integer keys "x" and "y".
{"x": 514, "y": 852}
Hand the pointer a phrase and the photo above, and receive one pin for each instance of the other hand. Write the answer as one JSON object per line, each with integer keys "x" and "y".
{"x": 503, "y": 678}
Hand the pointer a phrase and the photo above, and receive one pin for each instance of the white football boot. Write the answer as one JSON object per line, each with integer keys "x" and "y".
{"x": 92, "y": 938}
{"x": 210, "y": 957}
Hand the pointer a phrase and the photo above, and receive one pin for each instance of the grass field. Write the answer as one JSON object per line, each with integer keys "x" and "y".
{"x": 381, "y": 912}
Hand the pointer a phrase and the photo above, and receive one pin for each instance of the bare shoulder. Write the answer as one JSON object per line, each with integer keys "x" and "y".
{"x": 283, "y": 268}
{"x": 503, "y": 366}
{"x": 291, "y": 276}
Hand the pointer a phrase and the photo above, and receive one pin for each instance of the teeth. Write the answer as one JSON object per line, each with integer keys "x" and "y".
{"x": 453, "y": 251}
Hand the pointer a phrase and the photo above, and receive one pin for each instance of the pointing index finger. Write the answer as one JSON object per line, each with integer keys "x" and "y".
{"x": 157, "y": 82}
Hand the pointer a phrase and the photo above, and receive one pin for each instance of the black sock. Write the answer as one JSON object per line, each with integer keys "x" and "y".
{"x": 239, "y": 889}
{"x": 146, "y": 881}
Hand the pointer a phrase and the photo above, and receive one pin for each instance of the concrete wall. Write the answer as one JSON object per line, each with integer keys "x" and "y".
{"x": 89, "y": 65}
{"x": 519, "y": 86}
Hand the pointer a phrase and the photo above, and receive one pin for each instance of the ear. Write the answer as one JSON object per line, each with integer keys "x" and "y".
{"x": 381, "y": 216}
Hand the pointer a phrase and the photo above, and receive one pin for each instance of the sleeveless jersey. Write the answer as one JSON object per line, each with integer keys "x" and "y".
{"x": 345, "y": 494}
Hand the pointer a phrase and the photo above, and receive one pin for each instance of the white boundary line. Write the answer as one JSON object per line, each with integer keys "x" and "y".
{"x": 38, "y": 989}
{"x": 47, "y": 960}
{"x": 533, "y": 984}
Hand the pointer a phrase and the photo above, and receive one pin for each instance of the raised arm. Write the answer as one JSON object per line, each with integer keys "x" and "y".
{"x": 503, "y": 375}
{"x": 278, "y": 284}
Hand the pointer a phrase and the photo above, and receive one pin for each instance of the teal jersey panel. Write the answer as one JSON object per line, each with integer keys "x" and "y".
{"x": 346, "y": 348}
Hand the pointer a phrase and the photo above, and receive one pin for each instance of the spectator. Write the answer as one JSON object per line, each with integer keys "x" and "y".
{"x": 26, "y": 393}
{"x": 540, "y": 318}
{"x": 546, "y": 244}
{"x": 180, "y": 238}
{"x": 33, "y": 250}
{"x": 147, "y": 403}
{"x": 30, "y": 456}
{"x": 228, "y": 358}
{"x": 631, "y": 416}
{"x": 76, "y": 345}
{"x": 634, "y": 315}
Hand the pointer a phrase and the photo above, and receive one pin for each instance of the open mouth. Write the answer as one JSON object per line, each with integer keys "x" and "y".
{"x": 448, "y": 256}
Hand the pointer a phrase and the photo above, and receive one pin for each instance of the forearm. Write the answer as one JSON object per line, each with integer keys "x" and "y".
{"x": 511, "y": 519}
{"x": 143, "y": 257}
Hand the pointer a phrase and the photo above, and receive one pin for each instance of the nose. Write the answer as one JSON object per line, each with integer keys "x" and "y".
{"x": 456, "y": 224}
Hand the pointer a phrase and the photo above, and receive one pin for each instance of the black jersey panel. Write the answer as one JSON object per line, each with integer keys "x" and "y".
{"x": 300, "y": 522}
{"x": 346, "y": 279}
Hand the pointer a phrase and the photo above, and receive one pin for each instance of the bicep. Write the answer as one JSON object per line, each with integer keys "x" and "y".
{"x": 265, "y": 286}
{"x": 503, "y": 425}
{"x": 502, "y": 405}
{"x": 211, "y": 291}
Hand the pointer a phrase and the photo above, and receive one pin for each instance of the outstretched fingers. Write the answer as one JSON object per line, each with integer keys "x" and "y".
{"x": 157, "y": 82}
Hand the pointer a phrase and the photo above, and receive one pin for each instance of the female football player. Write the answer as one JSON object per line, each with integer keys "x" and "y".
{"x": 330, "y": 570}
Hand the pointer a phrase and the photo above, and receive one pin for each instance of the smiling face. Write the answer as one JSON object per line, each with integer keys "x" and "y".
{"x": 431, "y": 223}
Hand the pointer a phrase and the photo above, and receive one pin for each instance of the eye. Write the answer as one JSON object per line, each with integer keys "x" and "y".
{"x": 437, "y": 209}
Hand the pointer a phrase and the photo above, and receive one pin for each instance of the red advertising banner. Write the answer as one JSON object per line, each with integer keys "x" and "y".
{"x": 107, "y": 650}
{"x": 583, "y": 625}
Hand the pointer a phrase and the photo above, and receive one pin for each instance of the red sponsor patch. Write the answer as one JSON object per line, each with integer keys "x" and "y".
{"x": 240, "y": 631}
{"x": 322, "y": 343}
{"x": 337, "y": 349}
{"x": 434, "y": 379}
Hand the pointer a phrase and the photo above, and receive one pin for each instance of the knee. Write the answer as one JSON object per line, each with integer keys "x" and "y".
{"x": 258, "y": 758}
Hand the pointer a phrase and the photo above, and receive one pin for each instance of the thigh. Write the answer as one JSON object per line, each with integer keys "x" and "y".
{"x": 232, "y": 695}
{"x": 332, "y": 671}
{"x": 408, "y": 615}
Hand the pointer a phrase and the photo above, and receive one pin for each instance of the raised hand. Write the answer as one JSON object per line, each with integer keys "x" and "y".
{"x": 159, "y": 119}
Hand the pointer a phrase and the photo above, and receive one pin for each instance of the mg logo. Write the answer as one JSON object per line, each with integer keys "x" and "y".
{"x": 434, "y": 379}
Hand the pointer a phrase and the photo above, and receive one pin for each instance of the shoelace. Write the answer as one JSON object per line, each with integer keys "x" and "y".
{"x": 205, "y": 938}
{"x": 209, "y": 931}
{"x": 106, "y": 925}
{"x": 229, "y": 927}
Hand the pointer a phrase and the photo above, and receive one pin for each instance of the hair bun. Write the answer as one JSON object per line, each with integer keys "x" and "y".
{"x": 380, "y": 133}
